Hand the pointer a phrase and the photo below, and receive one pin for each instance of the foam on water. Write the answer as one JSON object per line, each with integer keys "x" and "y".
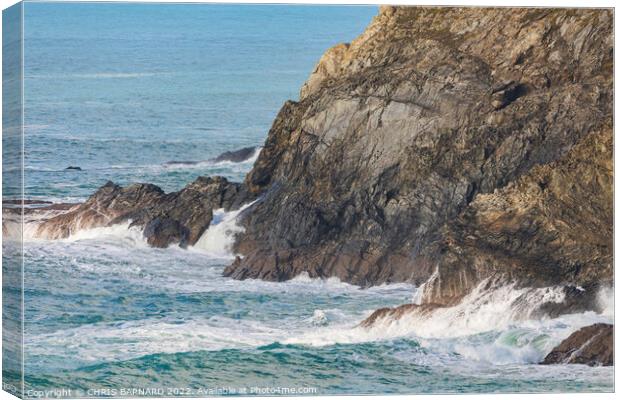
{"x": 122, "y": 233}
{"x": 132, "y": 339}
{"x": 15, "y": 230}
{"x": 491, "y": 325}
{"x": 219, "y": 238}
{"x": 173, "y": 301}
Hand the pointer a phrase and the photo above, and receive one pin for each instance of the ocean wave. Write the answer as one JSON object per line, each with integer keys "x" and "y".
{"x": 132, "y": 339}
{"x": 119, "y": 233}
{"x": 487, "y": 326}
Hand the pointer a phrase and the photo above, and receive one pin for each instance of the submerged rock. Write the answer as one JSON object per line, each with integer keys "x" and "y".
{"x": 73, "y": 168}
{"x": 592, "y": 345}
{"x": 175, "y": 162}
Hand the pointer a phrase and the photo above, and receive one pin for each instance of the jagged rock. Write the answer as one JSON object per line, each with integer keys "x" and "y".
{"x": 592, "y": 345}
{"x": 162, "y": 231}
{"x": 178, "y": 217}
{"x": 192, "y": 207}
{"x": 454, "y": 144}
{"x": 397, "y": 134}
{"x": 552, "y": 226}
{"x": 507, "y": 93}
{"x": 107, "y": 203}
{"x": 236, "y": 156}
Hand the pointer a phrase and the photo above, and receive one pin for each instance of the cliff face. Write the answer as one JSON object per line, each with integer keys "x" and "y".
{"x": 452, "y": 142}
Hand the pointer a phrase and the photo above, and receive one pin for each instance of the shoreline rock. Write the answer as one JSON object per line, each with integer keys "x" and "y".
{"x": 592, "y": 345}
{"x": 178, "y": 217}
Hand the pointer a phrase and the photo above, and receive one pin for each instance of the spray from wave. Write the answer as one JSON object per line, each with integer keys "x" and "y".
{"x": 493, "y": 324}
{"x": 219, "y": 238}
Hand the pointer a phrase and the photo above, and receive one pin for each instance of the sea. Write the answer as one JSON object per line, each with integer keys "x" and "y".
{"x": 120, "y": 91}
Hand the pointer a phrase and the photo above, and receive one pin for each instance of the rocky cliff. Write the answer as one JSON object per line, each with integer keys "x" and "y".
{"x": 457, "y": 143}
{"x": 450, "y": 147}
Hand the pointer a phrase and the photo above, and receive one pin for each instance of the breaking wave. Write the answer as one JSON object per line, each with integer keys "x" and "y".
{"x": 219, "y": 238}
{"x": 492, "y": 324}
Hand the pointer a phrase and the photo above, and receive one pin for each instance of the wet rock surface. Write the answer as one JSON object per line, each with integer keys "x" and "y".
{"x": 592, "y": 345}
{"x": 179, "y": 217}
{"x": 497, "y": 121}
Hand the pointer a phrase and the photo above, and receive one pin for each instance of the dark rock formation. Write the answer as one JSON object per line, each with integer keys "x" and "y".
{"x": 161, "y": 231}
{"x": 592, "y": 345}
{"x": 465, "y": 141}
{"x": 236, "y": 155}
{"x": 178, "y": 217}
{"x": 554, "y": 225}
{"x": 73, "y": 168}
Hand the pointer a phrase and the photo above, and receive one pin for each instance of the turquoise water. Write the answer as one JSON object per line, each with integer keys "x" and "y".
{"x": 121, "y": 89}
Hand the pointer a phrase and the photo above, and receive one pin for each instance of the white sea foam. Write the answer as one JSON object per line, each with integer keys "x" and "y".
{"x": 117, "y": 233}
{"x": 219, "y": 238}
{"x": 16, "y": 229}
{"x": 126, "y": 340}
{"x": 493, "y": 325}
{"x": 606, "y": 301}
